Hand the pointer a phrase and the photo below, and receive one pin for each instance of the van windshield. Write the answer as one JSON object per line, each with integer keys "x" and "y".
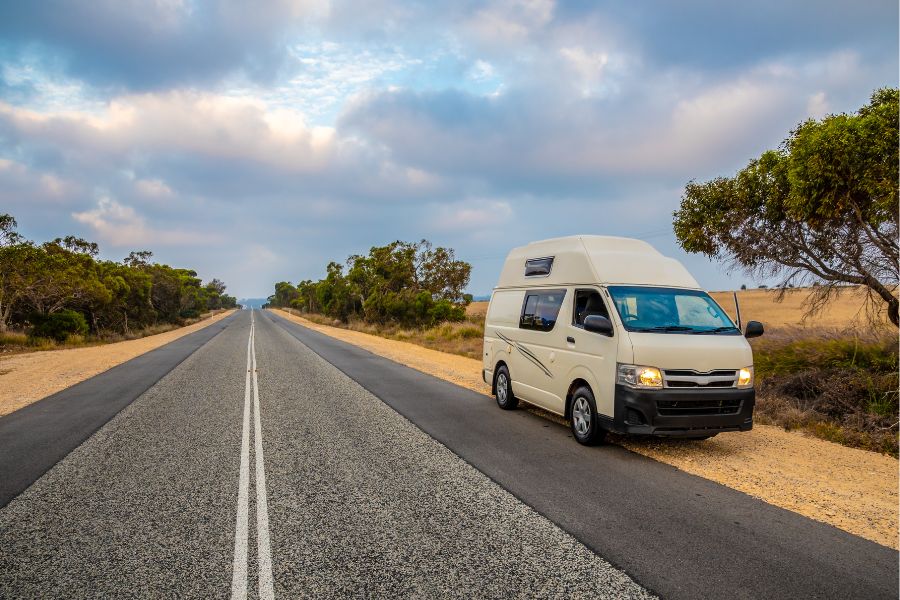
{"x": 670, "y": 310}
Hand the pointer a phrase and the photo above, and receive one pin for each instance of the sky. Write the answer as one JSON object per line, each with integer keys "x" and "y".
{"x": 257, "y": 141}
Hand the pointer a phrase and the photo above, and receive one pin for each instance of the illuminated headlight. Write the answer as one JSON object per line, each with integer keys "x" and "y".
{"x": 637, "y": 376}
{"x": 745, "y": 377}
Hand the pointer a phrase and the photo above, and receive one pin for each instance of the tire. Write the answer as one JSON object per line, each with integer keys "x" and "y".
{"x": 584, "y": 420}
{"x": 503, "y": 387}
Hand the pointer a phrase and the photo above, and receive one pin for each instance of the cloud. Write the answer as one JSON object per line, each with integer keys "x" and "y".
{"x": 121, "y": 226}
{"x": 140, "y": 45}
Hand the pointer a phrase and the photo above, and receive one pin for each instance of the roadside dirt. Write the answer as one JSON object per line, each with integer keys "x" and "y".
{"x": 851, "y": 489}
{"x": 26, "y": 378}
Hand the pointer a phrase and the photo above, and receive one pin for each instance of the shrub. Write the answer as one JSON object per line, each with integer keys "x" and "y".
{"x": 59, "y": 325}
{"x": 839, "y": 388}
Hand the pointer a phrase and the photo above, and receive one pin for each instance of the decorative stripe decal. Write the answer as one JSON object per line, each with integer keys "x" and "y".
{"x": 527, "y": 354}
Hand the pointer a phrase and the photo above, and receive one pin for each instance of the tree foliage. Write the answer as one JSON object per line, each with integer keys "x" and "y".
{"x": 43, "y": 286}
{"x": 412, "y": 284}
{"x": 822, "y": 209}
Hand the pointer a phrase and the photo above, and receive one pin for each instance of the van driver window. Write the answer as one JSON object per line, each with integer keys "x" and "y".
{"x": 588, "y": 302}
{"x": 540, "y": 309}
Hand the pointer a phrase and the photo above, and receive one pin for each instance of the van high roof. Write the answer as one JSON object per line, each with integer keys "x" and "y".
{"x": 584, "y": 259}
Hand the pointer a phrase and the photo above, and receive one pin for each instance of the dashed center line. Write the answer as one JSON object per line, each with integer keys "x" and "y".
{"x": 263, "y": 547}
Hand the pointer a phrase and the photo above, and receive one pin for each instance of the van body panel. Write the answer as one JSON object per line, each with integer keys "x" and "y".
{"x": 701, "y": 353}
{"x": 595, "y": 259}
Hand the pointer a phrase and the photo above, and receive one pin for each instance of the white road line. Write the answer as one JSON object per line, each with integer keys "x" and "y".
{"x": 264, "y": 552}
{"x": 239, "y": 567}
{"x": 263, "y": 547}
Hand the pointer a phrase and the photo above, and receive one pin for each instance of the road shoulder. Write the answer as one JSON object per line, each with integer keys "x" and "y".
{"x": 27, "y": 378}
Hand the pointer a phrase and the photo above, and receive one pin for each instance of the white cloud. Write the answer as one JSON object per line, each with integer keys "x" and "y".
{"x": 510, "y": 21}
{"x": 473, "y": 215}
{"x": 121, "y": 226}
{"x": 153, "y": 188}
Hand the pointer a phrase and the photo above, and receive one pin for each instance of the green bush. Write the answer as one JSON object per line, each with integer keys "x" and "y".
{"x": 59, "y": 325}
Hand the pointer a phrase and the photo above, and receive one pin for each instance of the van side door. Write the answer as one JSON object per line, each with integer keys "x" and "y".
{"x": 587, "y": 355}
{"x": 538, "y": 341}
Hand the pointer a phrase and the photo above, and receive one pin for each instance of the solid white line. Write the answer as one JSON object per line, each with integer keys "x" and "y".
{"x": 239, "y": 568}
{"x": 264, "y": 552}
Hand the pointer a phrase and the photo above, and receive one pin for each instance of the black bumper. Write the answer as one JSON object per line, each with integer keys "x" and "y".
{"x": 683, "y": 412}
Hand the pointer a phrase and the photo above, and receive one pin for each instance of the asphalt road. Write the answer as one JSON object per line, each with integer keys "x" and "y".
{"x": 254, "y": 468}
{"x": 270, "y": 460}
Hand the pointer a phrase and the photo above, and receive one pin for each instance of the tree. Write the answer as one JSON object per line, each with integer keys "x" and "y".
{"x": 412, "y": 284}
{"x": 820, "y": 209}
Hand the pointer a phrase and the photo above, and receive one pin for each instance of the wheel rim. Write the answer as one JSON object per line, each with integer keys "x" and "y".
{"x": 502, "y": 384}
{"x": 581, "y": 415}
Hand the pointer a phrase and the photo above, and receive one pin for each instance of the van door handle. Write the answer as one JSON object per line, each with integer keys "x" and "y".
{"x": 570, "y": 339}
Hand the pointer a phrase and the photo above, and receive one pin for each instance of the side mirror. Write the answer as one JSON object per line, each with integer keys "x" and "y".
{"x": 754, "y": 329}
{"x": 598, "y": 324}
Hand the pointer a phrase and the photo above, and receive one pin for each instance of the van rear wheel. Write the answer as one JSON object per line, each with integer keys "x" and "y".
{"x": 504, "y": 395}
{"x": 584, "y": 420}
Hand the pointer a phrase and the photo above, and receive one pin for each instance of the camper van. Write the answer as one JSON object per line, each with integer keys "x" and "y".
{"x": 614, "y": 336}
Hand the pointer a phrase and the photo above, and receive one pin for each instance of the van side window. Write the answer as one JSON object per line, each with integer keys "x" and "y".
{"x": 540, "y": 309}
{"x": 538, "y": 267}
{"x": 588, "y": 302}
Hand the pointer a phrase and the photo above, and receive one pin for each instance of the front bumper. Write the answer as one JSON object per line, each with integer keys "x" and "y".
{"x": 683, "y": 412}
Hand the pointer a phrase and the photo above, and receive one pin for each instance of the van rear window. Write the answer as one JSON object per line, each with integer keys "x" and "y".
{"x": 537, "y": 267}
{"x": 540, "y": 309}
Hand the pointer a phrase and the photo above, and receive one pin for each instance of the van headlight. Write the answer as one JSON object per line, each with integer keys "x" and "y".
{"x": 745, "y": 377}
{"x": 638, "y": 376}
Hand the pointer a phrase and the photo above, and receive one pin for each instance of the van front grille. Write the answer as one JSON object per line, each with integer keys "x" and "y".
{"x": 694, "y": 384}
{"x": 698, "y": 407}
{"x": 684, "y": 378}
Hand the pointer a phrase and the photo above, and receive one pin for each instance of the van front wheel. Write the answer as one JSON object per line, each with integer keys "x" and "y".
{"x": 584, "y": 422}
{"x": 505, "y": 398}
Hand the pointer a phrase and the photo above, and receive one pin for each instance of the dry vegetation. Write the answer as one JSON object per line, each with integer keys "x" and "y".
{"x": 18, "y": 342}
{"x": 463, "y": 338}
{"x": 833, "y": 375}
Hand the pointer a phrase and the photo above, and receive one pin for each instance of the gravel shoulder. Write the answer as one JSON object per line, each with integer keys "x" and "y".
{"x": 27, "y": 378}
{"x": 851, "y": 489}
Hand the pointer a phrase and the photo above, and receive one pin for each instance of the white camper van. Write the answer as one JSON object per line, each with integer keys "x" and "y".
{"x": 614, "y": 336}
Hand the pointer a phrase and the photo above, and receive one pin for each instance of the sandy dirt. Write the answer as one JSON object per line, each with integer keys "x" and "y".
{"x": 26, "y": 378}
{"x": 851, "y": 489}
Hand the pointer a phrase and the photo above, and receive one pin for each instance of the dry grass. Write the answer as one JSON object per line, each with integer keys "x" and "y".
{"x": 838, "y": 386}
{"x": 17, "y": 342}
{"x": 846, "y": 311}
{"x": 464, "y": 338}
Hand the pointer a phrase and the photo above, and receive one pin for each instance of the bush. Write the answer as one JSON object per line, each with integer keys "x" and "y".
{"x": 59, "y": 325}
{"x": 839, "y": 388}
{"x": 191, "y": 313}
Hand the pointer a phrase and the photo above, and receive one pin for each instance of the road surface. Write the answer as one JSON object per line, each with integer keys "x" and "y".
{"x": 261, "y": 459}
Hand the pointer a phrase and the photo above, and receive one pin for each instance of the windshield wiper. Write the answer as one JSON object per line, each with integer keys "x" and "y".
{"x": 717, "y": 329}
{"x": 665, "y": 328}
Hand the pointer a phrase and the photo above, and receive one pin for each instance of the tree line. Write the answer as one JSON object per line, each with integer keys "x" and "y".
{"x": 411, "y": 284}
{"x": 61, "y": 287}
